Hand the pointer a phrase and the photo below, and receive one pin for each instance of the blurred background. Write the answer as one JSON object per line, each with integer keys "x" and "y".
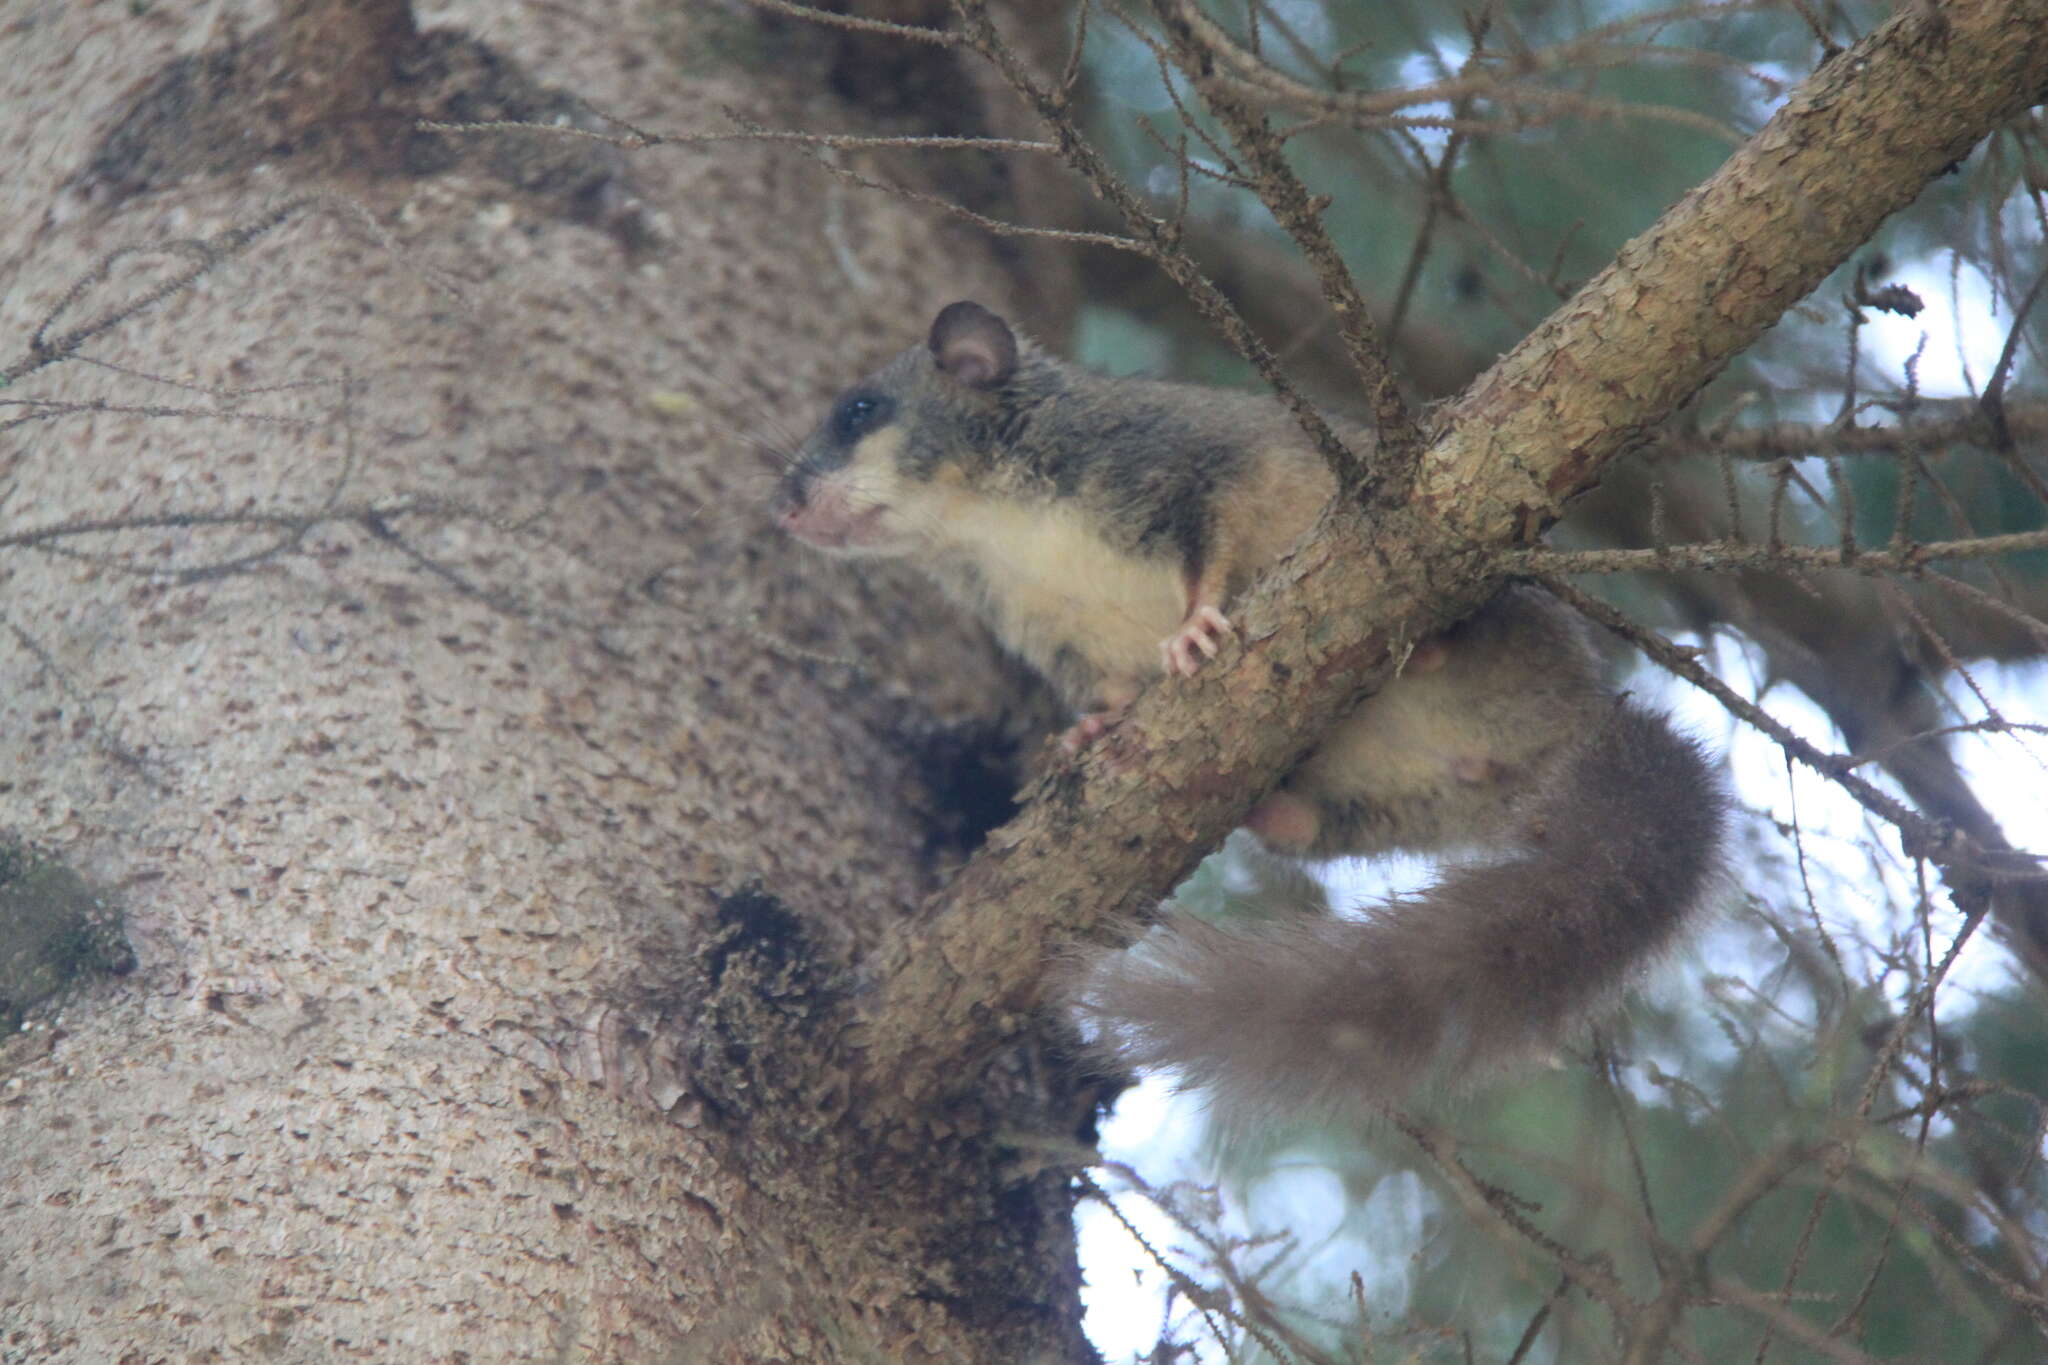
{"x": 1826, "y": 1112}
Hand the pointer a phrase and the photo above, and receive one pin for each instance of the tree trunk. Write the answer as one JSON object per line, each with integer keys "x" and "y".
{"x": 499, "y": 809}
{"x": 518, "y": 841}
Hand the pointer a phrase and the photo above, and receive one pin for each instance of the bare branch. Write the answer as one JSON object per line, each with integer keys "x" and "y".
{"x": 2024, "y": 422}
{"x": 832, "y": 19}
{"x": 1683, "y": 298}
{"x": 1737, "y": 556}
{"x": 1160, "y": 240}
{"x": 1400, "y": 442}
{"x": 839, "y": 142}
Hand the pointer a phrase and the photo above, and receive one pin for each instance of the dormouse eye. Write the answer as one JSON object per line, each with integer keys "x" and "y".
{"x": 860, "y": 413}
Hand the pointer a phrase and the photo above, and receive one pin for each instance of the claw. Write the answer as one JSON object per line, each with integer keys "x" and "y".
{"x": 1200, "y": 637}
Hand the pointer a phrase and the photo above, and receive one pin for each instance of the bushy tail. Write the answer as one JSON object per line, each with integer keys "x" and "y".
{"x": 1493, "y": 965}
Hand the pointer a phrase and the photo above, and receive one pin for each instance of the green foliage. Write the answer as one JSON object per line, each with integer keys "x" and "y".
{"x": 1528, "y": 209}
{"x": 1758, "y": 1146}
{"x": 1734, "y": 1165}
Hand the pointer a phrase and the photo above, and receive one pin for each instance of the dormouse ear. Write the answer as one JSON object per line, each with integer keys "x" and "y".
{"x": 973, "y": 345}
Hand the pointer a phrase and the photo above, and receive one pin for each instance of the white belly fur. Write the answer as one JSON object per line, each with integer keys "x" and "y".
{"x": 1053, "y": 582}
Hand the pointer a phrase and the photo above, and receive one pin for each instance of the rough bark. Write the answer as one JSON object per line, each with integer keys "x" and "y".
{"x": 1856, "y": 141}
{"x": 517, "y": 847}
{"x": 500, "y": 810}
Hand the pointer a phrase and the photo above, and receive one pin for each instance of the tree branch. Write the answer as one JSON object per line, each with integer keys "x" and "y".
{"x": 1736, "y": 556}
{"x": 1161, "y": 241}
{"x": 1301, "y": 214}
{"x": 1107, "y": 835}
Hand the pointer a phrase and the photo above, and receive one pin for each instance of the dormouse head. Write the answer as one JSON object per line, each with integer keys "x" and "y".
{"x": 877, "y": 475}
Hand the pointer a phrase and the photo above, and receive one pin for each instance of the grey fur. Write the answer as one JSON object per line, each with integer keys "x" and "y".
{"x": 1606, "y": 855}
{"x": 1086, "y": 518}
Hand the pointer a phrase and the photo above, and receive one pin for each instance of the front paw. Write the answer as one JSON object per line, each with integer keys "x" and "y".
{"x": 1199, "y": 638}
